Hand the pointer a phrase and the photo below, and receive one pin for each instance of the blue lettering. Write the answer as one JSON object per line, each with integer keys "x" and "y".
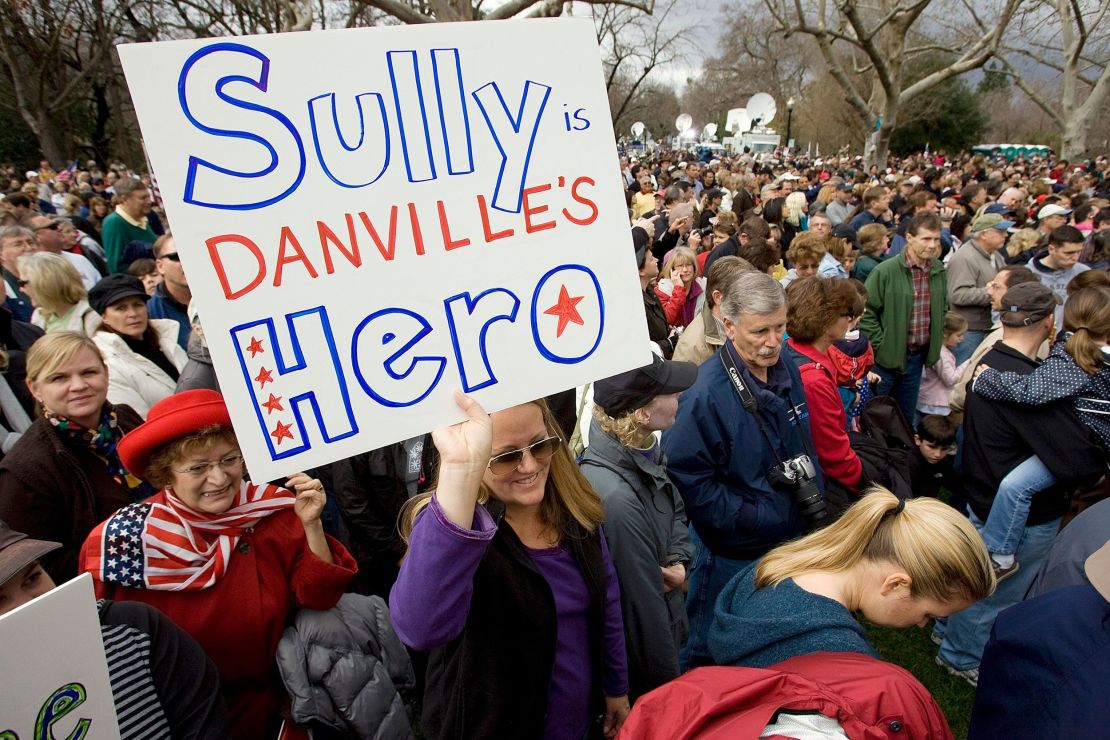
{"x": 500, "y": 305}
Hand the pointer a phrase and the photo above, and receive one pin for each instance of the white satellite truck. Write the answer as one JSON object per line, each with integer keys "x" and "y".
{"x": 748, "y": 126}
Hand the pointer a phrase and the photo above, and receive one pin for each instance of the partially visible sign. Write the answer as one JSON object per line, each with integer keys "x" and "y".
{"x": 371, "y": 218}
{"x": 53, "y": 674}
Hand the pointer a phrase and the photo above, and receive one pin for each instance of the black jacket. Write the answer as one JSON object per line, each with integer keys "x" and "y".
{"x": 998, "y": 436}
{"x": 53, "y": 491}
{"x": 492, "y": 680}
{"x": 369, "y": 489}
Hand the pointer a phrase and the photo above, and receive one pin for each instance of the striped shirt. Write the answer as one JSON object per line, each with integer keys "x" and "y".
{"x": 138, "y": 709}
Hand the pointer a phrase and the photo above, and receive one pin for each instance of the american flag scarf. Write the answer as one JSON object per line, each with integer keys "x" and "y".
{"x": 163, "y": 545}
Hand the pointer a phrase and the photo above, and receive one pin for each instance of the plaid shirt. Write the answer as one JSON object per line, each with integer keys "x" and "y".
{"x": 918, "y": 334}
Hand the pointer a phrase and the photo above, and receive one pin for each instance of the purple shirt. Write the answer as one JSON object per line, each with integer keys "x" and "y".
{"x": 431, "y": 598}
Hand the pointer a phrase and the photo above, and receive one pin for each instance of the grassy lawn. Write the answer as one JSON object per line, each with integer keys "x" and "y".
{"x": 913, "y": 650}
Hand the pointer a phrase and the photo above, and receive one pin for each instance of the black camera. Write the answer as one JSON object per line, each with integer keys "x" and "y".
{"x": 798, "y": 477}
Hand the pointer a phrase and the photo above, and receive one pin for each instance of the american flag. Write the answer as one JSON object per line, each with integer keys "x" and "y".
{"x": 162, "y": 544}
{"x": 67, "y": 173}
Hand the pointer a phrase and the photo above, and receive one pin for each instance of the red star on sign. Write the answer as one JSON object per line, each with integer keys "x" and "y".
{"x": 565, "y": 310}
{"x": 281, "y": 431}
{"x": 274, "y": 404}
{"x": 255, "y": 347}
{"x": 264, "y": 376}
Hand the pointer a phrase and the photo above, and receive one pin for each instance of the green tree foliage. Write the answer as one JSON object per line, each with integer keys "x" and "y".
{"x": 948, "y": 116}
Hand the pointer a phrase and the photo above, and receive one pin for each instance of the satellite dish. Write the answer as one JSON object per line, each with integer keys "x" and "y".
{"x": 683, "y": 122}
{"x": 710, "y": 130}
{"x": 761, "y": 109}
{"x": 637, "y": 129}
{"x": 737, "y": 121}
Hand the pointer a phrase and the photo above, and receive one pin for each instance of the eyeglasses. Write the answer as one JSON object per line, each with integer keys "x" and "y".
{"x": 24, "y": 283}
{"x": 171, "y": 256}
{"x": 200, "y": 470}
{"x": 52, "y": 226}
{"x": 507, "y": 462}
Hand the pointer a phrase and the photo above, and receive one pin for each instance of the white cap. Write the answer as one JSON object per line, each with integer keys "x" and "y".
{"x": 1052, "y": 210}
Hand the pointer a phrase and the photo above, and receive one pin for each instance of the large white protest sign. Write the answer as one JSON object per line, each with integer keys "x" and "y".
{"x": 53, "y": 674}
{"x": 372, "y": 218}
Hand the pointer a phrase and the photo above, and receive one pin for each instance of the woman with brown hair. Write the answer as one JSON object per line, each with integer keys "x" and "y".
{"x": 508, "y": 582}
{"x": 820, "y": 312}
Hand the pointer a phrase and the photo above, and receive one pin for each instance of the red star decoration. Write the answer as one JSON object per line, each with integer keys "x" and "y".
{"x": 255, "y": 347}
{"x": 264, "y": 376}
{"x": 281, "y": 431}
{"x": 565, "y": 310}
{"x": 274, "y": 404}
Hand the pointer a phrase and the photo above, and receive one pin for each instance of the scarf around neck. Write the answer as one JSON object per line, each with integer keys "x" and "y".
{"x": 102, "y": 442}
{"x": 166, "y": 546}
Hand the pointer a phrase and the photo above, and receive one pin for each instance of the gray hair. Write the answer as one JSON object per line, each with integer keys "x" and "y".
{"x": 752, "y": 292}
{"x": 125, "y": 186}
{"x": 14, "y": 232}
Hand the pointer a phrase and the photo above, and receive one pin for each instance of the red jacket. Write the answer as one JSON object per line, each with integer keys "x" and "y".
{"x": 827, "y": 420}
{"x": 870, "y": 699}
{"x": 239, "y": 621}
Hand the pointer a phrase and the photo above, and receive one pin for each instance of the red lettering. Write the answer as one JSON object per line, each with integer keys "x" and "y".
{"x": 287, "y": 238}
{"x": 584, "y": 201}
{"x": 448, "y": 243}
{"x": 483, "y": 210}
{"x": 221, "y": 273}
{"x": 530, "y": 211}
{"x": 386, "y": 252}
{"x": 327, "y": 235}
{"x": 417, "y": 237}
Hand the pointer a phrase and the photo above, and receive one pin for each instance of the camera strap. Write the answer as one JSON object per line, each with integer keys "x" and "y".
{"x": 747, "y": 398}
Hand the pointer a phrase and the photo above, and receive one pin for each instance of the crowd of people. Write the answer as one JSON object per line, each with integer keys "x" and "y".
{"x": 876, "y": 396}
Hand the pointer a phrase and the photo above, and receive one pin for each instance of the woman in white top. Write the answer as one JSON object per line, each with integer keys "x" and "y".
{"x": 143, "y": 357}
{"x": 57, "y": 293}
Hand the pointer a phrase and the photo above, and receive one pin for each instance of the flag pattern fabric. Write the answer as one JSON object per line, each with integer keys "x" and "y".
{"x": 162, "y": 544}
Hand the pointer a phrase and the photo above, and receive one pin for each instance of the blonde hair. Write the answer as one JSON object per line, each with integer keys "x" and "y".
{"x": 53, "y": 350}
{"x": 568, "y": 498}
{"x": 682, "y": 256}
{"x": 1022, "y": 241}
{"x": 795, "y": 207}
{"x": 626, "y": 428}
{"x": 937, "y": 547}
{"x": 1087, "y": 314}
{"x": 827, "y": 193}
{"x": 56, "y": 282}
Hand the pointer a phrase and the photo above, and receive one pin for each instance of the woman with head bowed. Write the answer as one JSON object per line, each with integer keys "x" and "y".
{"x": 227, "y": 560}
{"x": 65, "y": 474}
{"x": 509, "y": 584}
{"x": 55, "y": 289}
{"x": 142, "y": 353}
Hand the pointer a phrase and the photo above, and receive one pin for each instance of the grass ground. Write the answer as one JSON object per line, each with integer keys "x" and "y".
{"x": 913, "y": 650}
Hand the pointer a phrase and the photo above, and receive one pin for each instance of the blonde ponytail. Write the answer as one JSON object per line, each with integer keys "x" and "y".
{"x": 937, "y": 547}
{"x": 1087, "y": 314}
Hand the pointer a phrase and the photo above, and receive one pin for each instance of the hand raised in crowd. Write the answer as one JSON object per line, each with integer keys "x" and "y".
{"x": 682, "y": 225}
{"x": 310, "y": 497}
{"x": 693, "y": 241}
{"x": 464, "y": 452}
{"x": 616, "y": 711}
{"x": 673, "y": 576}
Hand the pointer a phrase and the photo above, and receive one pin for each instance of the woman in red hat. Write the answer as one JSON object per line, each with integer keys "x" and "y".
{"x": 226, "y": 559}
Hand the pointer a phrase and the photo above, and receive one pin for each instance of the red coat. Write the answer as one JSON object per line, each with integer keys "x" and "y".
{"x": 870, "y": 699}
{"x": 827, "y": 420}
{"x": 239, "y": 621}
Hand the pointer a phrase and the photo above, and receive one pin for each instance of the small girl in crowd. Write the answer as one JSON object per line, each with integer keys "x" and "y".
{"x": 1076, "y": 368}
{"x": 852, "y": 359}
{"x": 938, "y": 381}
{"x": 679, "y": 290}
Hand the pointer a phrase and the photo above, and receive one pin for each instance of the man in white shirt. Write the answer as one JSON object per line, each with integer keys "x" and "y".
{"x": 48, "y": 238}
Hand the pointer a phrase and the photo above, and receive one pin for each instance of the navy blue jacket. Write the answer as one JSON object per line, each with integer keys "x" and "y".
{"x": 1046, "y": 668}
{"x": 719, "y": 459}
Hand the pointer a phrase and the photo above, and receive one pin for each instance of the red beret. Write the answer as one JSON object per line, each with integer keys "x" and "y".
{"x": 171, "y": 418}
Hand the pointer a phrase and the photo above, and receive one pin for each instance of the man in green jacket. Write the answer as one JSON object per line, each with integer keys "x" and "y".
{"x": 904, "y": 319}
{"x": 128, "y": 223}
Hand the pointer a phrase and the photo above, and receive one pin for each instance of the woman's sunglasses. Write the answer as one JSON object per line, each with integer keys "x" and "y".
{"x": 507, "y": 462}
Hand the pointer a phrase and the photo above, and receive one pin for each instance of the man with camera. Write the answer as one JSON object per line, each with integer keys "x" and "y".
{"x": 741, "y": 452}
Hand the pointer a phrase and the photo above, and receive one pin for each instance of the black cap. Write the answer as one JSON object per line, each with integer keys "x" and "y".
{"x": 17, "y": 551}
{"x": 1027, "y": 303}
{"x": 641, "y": 240}
{"x": 846, "y": 232}
{"x": 845, "y": 186}
{"x": 635, "y": 388}
{"x": 115, "y": 288}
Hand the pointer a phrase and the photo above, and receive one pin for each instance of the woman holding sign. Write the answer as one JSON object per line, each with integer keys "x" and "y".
{"x": 227, "y": 560}
{"x": 509, "y": 583}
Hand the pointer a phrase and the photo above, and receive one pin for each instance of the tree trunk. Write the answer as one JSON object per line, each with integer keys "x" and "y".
{"x": 54, "y": 135}
{"x": 1074, "y": 140}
